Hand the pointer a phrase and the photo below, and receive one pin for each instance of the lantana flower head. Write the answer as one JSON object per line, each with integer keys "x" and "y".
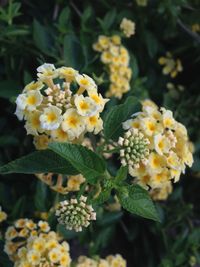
{"x": 33, "y": 244}
{"x": 3, "y": 215}
{"x": 128, "y": 27}
{"x": 59, "y": 105}
{"x": 109, "y": 261}
{"x": 60, "y": 183}
{"x": 116, "y": 57}
{"x": 171, "y": 66}
{"x": 167, "y": 143}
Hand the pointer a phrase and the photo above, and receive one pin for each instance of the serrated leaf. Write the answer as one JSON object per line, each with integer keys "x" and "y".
{"x": 84, "y": 160}
{"x": 136, "y": 200}
{"x": 73, "y": 54}
{"x": 134, "y": 66}
{"x": 117, "y": 115}
{"x": 40, "y": 198}
{"x": 102, "y": 197}
{"x": 18, "y": 208}
{"x": 109, "y": 218}
{"x": 87, "y": 15}
{"x": 102, "y": 238}
{"x": 42, "y": 38}
{"x": 39, "y": 162}
{"x": 122, "y": 174}
{"x": 109, "y": 18}
{"x": 9, "y": 88}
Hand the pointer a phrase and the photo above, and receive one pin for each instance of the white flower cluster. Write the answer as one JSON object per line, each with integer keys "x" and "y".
{"x": 3, "y": 215}
{"x": 61, "y": 183}
{"x": 116, "y": 57}
{"x": 33, "y": 244}
{"x": 109, "y": 261}
{"x": 17, "y": 235}
{"x": 169, "y": 148}
{"x": 134, "y": 149}
{"x": 30, "y": 244}
{"x": 128, "y": 27}
{"x": 75, "y": 214}
{"x": 62, "y": 105}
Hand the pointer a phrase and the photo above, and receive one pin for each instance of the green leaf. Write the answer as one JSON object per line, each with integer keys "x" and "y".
{"x": 122, "y": 174}
{"x": 86, "y": 16}
{"x": 73, "y": 54}
{"x": 39, "y": 162}
{"x": 109, "y": 218}
{"x": 109, "y": 19}
{"x": 102, "y": 239}
{"x": 19, "y": 207}
{"x": 9, "y": 89}
{"x": 134, "y": 66}
{"x": 42, "y": 38}
{"x": 8, "y": 140}
{"x": 64, "y": 20}
{"x": 103, "y": 196}
{"x": 84, "y": 160}
{"x": 117, "y": 115}
{"x": 136, "y": 200}
{"x": 40, "y": 198}
{"x": 152, "y": 43}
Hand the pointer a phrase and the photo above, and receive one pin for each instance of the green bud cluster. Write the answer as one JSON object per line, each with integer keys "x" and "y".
{"x": 75, "y": 214}
{"x": 134, "y": 148}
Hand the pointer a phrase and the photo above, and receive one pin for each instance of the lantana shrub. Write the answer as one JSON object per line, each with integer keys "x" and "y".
{"x": 100, "y": 161}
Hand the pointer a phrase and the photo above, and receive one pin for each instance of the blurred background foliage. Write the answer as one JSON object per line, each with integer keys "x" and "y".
{"x": 62, "y": 32}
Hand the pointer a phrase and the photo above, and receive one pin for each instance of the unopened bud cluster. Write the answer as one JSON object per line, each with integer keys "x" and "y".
{"x": 75, "y": 214}
{"x": 134, "y": 148}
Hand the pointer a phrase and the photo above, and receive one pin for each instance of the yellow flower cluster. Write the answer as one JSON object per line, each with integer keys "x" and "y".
{"x": 30, "y": 244}
{"x": 142, "y": 2}
{"x": 22, "y": 230}
{"x": 109, "y": 261}
{"x": 62, "y": 105}
{"x": 196, "y": 27}
{"x": 175, "y": 87}
{"x": 116, "y": 57}
{"x": 171, "y": 66}
{"x": 128, "y": 27}
{"x": 161, "y": 193}
{"x": 3, "y": 215}
{"x": 37, "y": 245}
{"x": 169, "y": 148}
{"x": 60, "y": 183}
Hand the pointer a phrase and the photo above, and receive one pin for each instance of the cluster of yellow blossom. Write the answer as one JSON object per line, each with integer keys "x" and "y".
{"x": 61, "y": 183}
{"x": 142, "y": 2}
{"x": 175, "y": 87}
{"x": 161, "y": 193}
{"x": 22, "y": 229}
{"x": 169, "y": 148}
{"x": 29, "y": 244}
{"x": 196, "y": 27}
{"x": 116, "y": 57}
{"x": 109, "y": 261}
{"x": 3, "y": 215}
{"x": 171, "y": 66}
{"x": 62, "y": 105}
{"x": 128, "y": 27}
